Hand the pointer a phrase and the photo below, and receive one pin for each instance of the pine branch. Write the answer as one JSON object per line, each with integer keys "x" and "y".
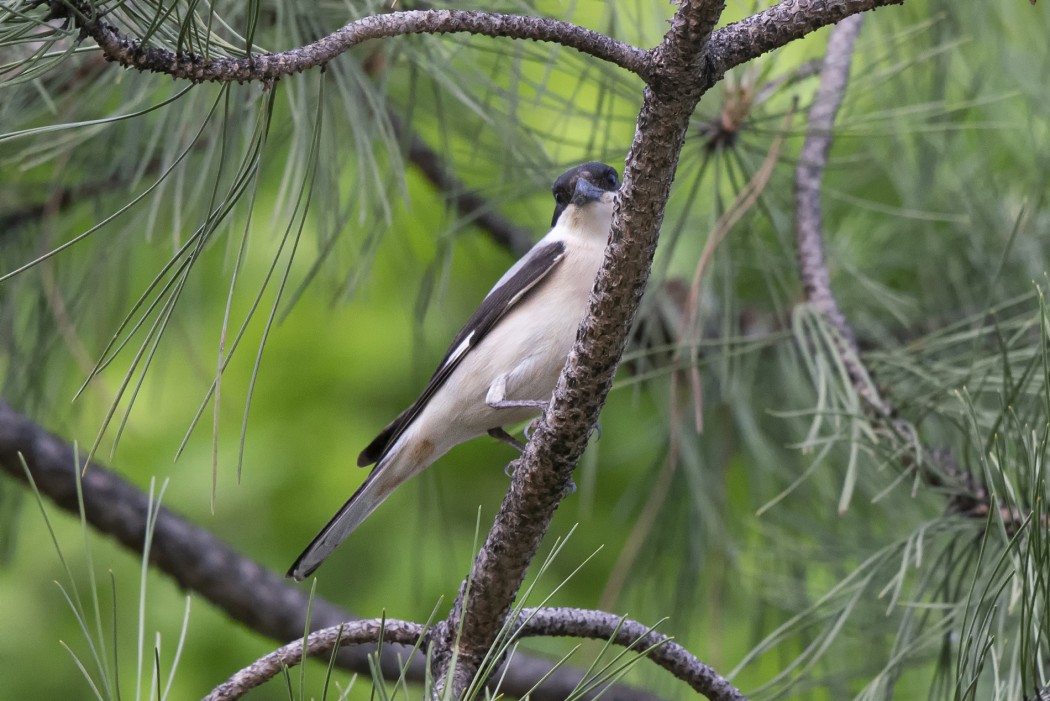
{"x": 660, "y": 649}
{"x": 543, "y": 474}
{"x": 318, "y": 643}
{"x": 536, "y": 622}
{"x": 813, "y": 160}
{"x": 269, "y": 67}
{"x": 935, "y": 465}
{"x": 245, "y": 590}
{"x": 777, "y": 26}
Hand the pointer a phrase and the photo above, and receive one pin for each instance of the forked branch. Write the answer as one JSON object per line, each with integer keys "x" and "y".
{"x": 549, "y": 622}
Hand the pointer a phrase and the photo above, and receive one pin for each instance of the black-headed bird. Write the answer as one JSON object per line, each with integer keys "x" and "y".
{"x": 502, "y": 366}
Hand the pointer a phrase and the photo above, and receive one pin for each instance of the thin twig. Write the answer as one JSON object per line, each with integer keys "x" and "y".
{"x": 318, "y": 643}
{"x": 935, "y": 466}
{"x": 809, "y": 225}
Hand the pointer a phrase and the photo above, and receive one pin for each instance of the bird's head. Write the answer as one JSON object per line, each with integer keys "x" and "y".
{"x": 585, "y": 191}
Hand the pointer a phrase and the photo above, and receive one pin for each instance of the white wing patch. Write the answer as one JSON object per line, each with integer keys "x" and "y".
{"x": 462, "y": 348}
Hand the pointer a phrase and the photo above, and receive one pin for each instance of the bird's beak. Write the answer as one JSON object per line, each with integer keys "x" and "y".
{"x": 586, "y": 192}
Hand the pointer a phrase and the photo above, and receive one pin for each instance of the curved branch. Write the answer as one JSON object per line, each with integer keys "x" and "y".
{"x": 269, "y": 67}
{"x": 778, "y": 26}
{"x": 659, "y": 648}
{"x": 318, "y": 643}
{"x": 813, "y": 160}
{"x": 534, "y": 622}
{"x": 937, "y": 467}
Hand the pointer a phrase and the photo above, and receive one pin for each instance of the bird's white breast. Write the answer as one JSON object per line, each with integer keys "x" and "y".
{"x": 529, "y": 345}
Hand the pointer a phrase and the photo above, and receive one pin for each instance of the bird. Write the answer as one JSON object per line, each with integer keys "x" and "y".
{"x": 501, "y": 368}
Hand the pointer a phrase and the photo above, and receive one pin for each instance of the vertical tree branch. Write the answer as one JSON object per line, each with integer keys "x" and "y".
{"x": 543, "y": 475}
{"x": 935, "y": 465}
{"x": 809, "y": 174}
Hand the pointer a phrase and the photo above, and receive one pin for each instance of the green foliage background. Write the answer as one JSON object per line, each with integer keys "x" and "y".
{"x": 936, "y": 230}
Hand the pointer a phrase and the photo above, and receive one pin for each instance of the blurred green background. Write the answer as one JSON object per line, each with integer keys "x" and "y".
{"x": 934, "y": 210}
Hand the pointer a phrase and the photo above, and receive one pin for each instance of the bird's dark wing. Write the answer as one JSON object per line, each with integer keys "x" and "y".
{"x": 537, "y": 265}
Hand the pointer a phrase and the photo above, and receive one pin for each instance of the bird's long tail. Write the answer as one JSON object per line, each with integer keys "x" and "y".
{"x": 381, "y": 481}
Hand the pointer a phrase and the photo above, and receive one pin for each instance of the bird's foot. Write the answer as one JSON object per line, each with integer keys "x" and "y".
{"x": 532, "y": 426}
{"x": 517, "y": 403}
{"x": 499, "y": 434}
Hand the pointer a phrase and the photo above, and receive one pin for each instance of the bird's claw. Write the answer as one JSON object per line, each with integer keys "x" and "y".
{"x": 532, "y": 426}
{"x": 499, "y": 434}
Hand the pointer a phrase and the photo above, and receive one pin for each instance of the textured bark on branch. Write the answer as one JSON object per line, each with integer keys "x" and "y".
{"x": 731, "y": 46}
{"x": 816, "y": 283}
{"x": 658, "y": 648}
{"x": 543, "y": 475}
{"x": 269, "y": 67}
{"x": 777, "y": 26}
{"x": 319, "y": 642}
{"x": 532, "y": 622}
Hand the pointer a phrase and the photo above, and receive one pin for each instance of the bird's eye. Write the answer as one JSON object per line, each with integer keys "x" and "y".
{"x": 561, "y": 196}
{"x": 612, "y": 180}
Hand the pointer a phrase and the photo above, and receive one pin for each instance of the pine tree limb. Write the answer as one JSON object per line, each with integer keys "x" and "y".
{"x": 269, "y": 67}
{"x": 533, "y": 622}
{"x": 543, "y": 475}
{"x": 937, "y": 467}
